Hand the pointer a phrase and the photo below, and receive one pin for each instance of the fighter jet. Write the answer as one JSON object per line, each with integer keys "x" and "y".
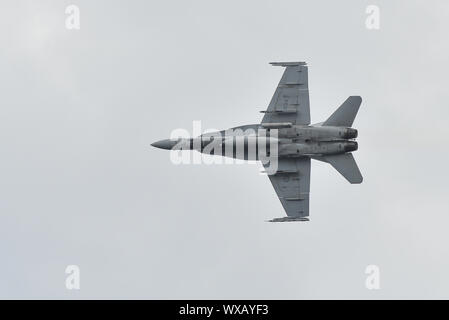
{"x": 286, "y": 129}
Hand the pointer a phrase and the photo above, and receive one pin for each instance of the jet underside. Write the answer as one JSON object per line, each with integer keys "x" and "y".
{"x": 285, "y": 141}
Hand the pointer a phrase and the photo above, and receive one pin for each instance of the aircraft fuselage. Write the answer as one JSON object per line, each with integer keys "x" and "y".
{"x": 246, "y": 142}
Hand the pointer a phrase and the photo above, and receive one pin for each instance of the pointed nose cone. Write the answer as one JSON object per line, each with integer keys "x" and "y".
{"x": 166, "y": 144}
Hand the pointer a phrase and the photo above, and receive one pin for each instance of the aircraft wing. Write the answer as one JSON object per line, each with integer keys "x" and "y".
{"x": 292, "y": 185}
{"x": 290, "y": 102}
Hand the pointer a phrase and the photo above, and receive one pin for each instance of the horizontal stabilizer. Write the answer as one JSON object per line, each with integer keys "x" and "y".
{"x": 344, "y": 116}
{"x": 345, "y": 164}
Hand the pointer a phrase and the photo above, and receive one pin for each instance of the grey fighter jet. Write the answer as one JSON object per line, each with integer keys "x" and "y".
{"x": 286, "y": 129}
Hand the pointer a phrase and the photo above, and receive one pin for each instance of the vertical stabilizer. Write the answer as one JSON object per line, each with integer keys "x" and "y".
{"x": 344, "y": 116}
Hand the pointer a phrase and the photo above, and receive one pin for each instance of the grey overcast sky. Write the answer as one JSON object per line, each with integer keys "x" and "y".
{"x": 80, "y": 184}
